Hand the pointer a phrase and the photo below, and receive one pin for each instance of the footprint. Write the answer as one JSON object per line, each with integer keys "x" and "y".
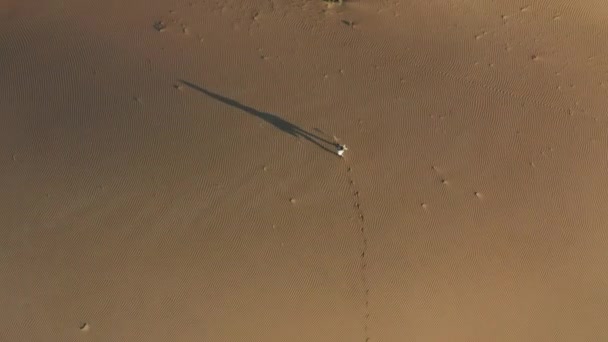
{"x": 84, "y": 327}
{"x": 160, "y": 26}
{"x": 363, "y": 258}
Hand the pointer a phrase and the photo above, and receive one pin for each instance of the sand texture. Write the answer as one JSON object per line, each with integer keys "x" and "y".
{"x": 168, "y": 170}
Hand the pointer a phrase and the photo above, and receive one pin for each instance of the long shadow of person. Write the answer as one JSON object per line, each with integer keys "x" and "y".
{"x": 272, "y": 119}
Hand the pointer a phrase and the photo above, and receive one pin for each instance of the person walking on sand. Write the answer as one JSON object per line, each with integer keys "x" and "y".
{"x": 341, "y": 149}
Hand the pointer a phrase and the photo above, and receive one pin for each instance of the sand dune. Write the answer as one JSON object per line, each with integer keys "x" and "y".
{"x": 168, "y": 171}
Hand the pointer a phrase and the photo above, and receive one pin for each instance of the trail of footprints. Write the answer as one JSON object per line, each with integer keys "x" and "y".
{"x": 363, "y": 256}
